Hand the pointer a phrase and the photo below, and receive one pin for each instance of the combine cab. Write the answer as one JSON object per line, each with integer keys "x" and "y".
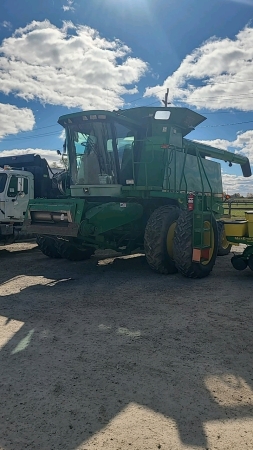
{"x": 137, "y": 184}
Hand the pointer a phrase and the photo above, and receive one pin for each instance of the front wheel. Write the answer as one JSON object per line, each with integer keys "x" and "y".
{"x": 183, "y": 246}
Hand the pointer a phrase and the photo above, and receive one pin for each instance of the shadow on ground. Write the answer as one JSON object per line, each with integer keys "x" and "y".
{"x": 100, "y": 335}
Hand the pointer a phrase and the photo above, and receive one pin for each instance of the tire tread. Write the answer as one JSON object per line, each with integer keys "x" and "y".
{"x": 47, "y": 246}
{"x": 155, "y": 239}
{"x": 183, "y": 248}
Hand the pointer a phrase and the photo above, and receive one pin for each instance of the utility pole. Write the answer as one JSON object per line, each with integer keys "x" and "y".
{"x": 165, "y": 101}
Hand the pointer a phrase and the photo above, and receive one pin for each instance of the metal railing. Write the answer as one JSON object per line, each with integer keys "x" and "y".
{"x": 237, "y": 207}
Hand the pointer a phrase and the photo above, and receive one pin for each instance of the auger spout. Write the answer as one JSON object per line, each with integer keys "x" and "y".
{"x": 224, "y": 155}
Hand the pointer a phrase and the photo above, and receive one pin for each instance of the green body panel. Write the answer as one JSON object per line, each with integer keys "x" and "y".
{"x": 74, "y": 206}
{"x": 148, "y": 165}
{"x": 110, "y": 216}
{"x": 90, "y": 220}
{"x": 196, "y": 178}
{"x": 45, "y": 216}
{"x": 149, "y": 171}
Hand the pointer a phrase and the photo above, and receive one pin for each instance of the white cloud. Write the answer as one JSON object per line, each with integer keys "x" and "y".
{"x": 62, "y": 135}
{"x": 69, "y": 6}
{"x": 234, "y": 183}
{"x": 243, "y": 2}
{"x": 72, "y": 66}
{"x": 50, "y": 155}
{"x": 6, "y": 24}
{"x": 223, "y": 144}
{"x": 224, "y": 66}
{"x": 13, "y": 119}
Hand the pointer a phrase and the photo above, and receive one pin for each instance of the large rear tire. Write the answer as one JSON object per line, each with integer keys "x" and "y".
{"x": 47, "y": 246}
{"x": 183, "y": 247}
{"x": 224, "y": 248}
{"x": 158, "y": 239}
{"x": 71, "y": 252}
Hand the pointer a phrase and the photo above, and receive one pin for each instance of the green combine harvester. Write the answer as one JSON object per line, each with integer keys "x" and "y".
{"x": 136, "y": 184}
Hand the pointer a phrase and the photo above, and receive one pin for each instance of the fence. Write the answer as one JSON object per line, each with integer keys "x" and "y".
{"x": 237, "y": 207}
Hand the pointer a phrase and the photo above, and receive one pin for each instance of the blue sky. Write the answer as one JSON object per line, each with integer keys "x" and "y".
{"x": 62, "y": 56}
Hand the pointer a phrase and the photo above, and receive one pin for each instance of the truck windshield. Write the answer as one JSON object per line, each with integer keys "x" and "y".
{"x": 3, "y": 178}
{"x": 95, "y": 150}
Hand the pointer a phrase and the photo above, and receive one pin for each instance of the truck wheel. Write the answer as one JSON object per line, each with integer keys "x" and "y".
{"x": 71, "y": 252}
{"x": 158, "y": 239}
{"x": 183, "y": 247}
{"x": 47, "y": 246}
{"x": 224, "y": 247}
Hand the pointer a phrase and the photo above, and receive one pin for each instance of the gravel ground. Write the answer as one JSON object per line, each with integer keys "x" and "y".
{"x": 105, "y": 354}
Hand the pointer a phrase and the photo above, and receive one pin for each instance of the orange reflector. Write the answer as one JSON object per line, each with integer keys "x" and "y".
{"x": 196, "y": 255}
{"x": 205, "y": 253}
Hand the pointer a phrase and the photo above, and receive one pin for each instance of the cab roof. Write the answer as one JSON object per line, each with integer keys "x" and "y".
{"x": 183, "y": 118}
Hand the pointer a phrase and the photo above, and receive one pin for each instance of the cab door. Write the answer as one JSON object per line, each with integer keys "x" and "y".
{"x": 17, "y": 197}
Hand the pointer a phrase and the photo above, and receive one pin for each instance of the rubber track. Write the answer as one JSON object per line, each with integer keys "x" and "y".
{"x": 155, "y": 239}
{"x": 72, "y": 253}
{"x": 47, "y": 246}
{"x": 183, "y": 249}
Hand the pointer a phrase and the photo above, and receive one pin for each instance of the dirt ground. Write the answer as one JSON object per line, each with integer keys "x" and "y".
{"x": 105, "y": 354}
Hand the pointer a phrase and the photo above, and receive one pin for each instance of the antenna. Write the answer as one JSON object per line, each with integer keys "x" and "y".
{"x": 165, "y": 101}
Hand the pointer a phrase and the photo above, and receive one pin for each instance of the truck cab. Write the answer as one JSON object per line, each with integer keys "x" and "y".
{"x": 16, "y": 189}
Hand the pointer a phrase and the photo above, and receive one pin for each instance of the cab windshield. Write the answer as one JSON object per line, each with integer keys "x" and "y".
{"x": 96, "y": 149}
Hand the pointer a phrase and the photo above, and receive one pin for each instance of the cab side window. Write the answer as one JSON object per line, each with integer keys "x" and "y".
{"x": 17, "y": 184}
{"x": 23, "y": 185}
{"x": 13, "y": 187}
{"x": 25, "y": 190}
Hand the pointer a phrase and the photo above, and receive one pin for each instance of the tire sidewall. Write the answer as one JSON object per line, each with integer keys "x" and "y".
{"x": 172, "y": 218}
{"x": 222, "y": 251}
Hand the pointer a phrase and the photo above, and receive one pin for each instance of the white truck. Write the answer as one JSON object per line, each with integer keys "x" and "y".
{"x": 22, "y": 178}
